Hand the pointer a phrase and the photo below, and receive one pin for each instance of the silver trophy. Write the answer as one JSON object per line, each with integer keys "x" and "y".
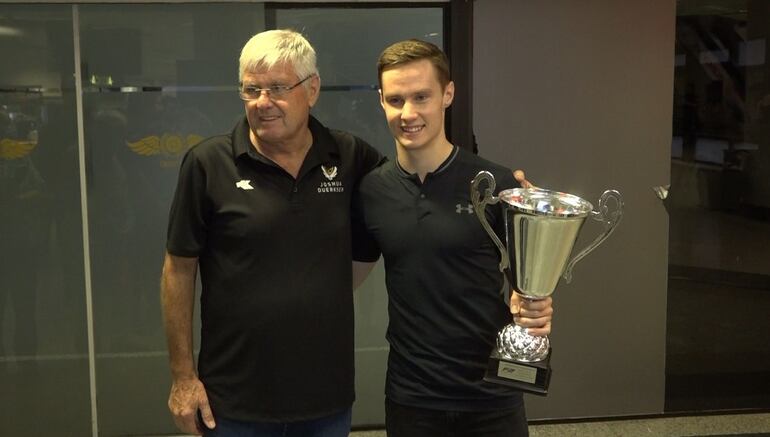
{"x": 541, "y": 227}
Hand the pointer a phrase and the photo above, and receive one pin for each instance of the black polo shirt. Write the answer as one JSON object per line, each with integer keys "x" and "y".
{"x": 441, "y": 269}
{"x": 275, "y": 266}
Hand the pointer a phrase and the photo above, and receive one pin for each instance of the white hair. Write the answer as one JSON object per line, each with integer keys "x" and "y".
{"x": 273, "y": 47}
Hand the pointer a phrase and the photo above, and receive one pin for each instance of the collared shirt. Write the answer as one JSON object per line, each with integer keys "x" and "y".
{"x": 444, "y": 286}
{"x": 275, "y": 266}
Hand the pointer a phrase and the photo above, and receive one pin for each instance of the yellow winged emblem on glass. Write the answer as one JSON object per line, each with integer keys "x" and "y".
{"x": 166, "y": 144}
{"x": 15, "y": 149}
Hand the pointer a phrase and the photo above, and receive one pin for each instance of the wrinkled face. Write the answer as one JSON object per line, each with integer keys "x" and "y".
{"x": 279, "y": 120}
{"x": 414, "y": 104}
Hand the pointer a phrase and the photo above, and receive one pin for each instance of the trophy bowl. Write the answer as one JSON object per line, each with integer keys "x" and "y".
{"x": 540, "y": 227}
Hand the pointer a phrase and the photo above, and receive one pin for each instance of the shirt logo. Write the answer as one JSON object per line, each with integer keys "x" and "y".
{"x": 244, "y": 184}
{"x": 330, "y": 185}
{"x": 460, "y": 208}
{"x": 329, "y": 172}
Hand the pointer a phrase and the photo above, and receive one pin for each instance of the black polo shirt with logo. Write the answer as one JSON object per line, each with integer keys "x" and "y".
{"x": 274, "y": 256}
{"x": 443, "y": 282}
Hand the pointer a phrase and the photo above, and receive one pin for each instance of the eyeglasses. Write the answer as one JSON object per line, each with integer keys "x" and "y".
{"x": 249, "y": 92}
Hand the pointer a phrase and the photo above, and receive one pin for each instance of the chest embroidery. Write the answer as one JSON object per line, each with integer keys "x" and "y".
{"x": 330, "y": 185}
{"x": 244, "y": 184}
{"x": 330, "y": 172}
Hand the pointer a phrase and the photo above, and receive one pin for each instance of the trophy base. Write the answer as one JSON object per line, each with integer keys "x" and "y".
{"x": 529, "y": 377}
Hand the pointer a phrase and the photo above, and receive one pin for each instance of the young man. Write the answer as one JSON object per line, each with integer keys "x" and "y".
{"x": 265, "y": 213}
{"x": 441, "y": 267}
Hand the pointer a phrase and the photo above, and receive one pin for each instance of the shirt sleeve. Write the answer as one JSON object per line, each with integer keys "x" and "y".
{"x": 365, "y": 247}
{"x": 190, "y": 210}
{"x": 368, "y": 158}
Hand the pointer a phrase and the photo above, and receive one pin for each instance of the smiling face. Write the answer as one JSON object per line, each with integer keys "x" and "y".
{"x": 414, "y": 104}
{"x": 280, "y": 121}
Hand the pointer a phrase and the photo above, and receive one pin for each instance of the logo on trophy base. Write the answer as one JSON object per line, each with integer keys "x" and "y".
{"x": 541, "y": 227}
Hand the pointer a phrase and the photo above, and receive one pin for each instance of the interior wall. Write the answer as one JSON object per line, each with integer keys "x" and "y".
{"x": 579, "y": 95}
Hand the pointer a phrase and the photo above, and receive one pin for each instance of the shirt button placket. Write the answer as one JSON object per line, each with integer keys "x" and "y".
{"x": 294, "y": 199}
{"x": 422, "y": 207}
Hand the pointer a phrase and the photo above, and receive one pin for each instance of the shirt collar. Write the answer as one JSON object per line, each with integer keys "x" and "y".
{"x": 323, "y": 150}
{"x": 444, "y": 165}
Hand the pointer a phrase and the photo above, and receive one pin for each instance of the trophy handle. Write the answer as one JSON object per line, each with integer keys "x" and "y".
{"x": 480, "y": 205}
{"x": 610, "y": 220}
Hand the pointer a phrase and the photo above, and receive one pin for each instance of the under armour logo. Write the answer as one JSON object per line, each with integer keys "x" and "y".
{"x": 244, "y": 184}
{"x": 460, "y": 208}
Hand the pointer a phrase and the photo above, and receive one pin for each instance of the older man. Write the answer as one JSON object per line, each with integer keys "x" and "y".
{"x": 264, "y": 212}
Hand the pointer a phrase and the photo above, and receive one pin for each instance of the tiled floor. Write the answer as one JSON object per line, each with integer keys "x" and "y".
{"x": 754, "y": 425}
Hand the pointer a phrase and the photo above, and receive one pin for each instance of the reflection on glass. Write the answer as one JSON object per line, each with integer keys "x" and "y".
{"x": 165, "y": 44}
{"x": 357, "y": 112}
{"x": 155, "y": 83}
{"x": 719, "y": 206}
{"x": 135, "y": 143}
{"x": 43, "y": 350}
{"x": 349, "y": 41}
{"x": 347, "y": 63}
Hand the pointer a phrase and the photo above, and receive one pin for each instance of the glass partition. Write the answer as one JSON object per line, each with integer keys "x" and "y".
{"x": 43, "y": 348}
{"x": 156, "y": 79}
{"x": 348, "y": 62}
{"x": 155, "y": 83}
{"x": 719, "y": 206}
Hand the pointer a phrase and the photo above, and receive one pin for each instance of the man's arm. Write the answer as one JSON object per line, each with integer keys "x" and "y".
{"x": 177, "y": 300}
{"x": 361, "y": 271}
